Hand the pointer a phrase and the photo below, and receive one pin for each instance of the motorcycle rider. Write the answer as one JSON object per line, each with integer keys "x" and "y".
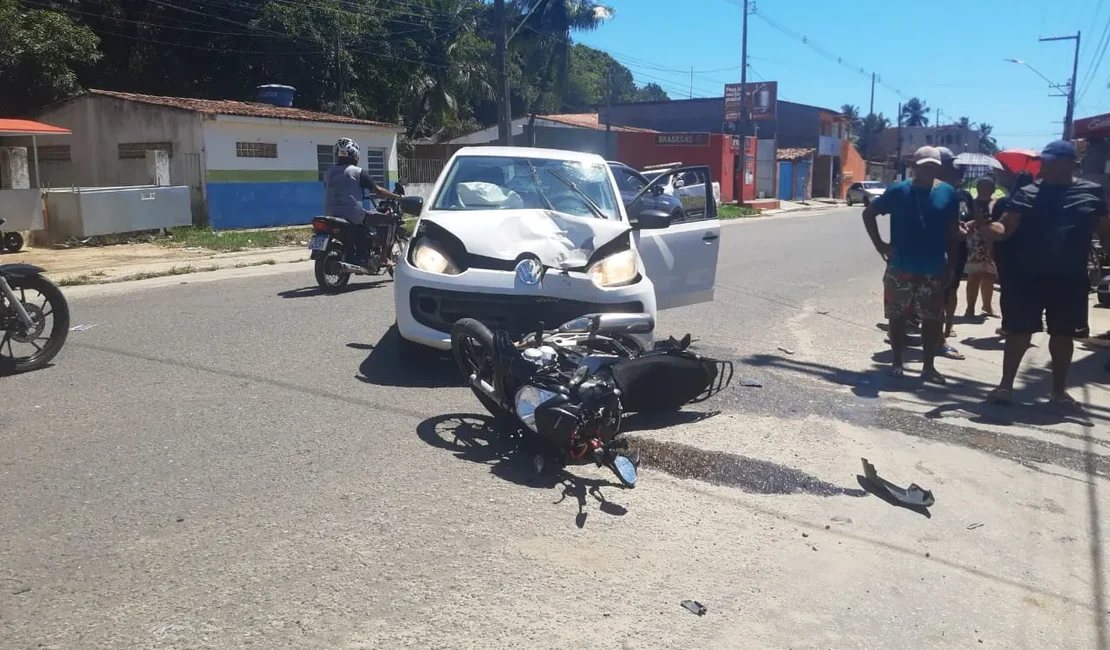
{"x": 344, "y": 183}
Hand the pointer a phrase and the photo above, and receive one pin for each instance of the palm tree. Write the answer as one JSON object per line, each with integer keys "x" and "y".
{"x": 550, "y": 23}
{"x": 915, "y": 113}
{"x": 964, "y": 123}
{"x": 870, "y": 130}
{"x": 851, "y": 112}
{"x": 987, "y": 143}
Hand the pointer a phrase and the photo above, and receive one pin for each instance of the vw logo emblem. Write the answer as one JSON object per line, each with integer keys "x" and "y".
{"x": 529, "y": 271}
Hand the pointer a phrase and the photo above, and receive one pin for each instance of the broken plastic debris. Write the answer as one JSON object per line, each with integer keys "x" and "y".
{"x": 751, "y": 383}
{"x": 82, "y": 328}
{"x": 913, "y": 496}
{"x": 786, "y": 350}
{"x": 974, "y": 526}
{"x": 695, "y": 607}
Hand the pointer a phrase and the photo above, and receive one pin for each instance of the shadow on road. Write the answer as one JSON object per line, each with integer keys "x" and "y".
{"x": 315, "y": 290}
{"x": 387, "y": 365}
{"x": 476, "y": 438}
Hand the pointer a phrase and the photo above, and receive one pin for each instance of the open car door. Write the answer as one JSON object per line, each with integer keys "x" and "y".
{"x": 681, "y": 259}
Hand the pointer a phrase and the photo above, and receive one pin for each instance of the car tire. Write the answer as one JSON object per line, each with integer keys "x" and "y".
{"x": 848, "y": 200}
{"x": 866, "y": 201}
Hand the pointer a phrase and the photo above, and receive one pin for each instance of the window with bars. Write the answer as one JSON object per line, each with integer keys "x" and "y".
{"x": 54, "y": 153}
{"x": 325, "y": 157}
{"x": 256, "y": 150}
{"x": 374, "y": 163}
{"x": 138, "y": 149}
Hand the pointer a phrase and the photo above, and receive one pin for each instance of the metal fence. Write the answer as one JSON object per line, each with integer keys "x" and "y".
{"x": 420, "y": 170}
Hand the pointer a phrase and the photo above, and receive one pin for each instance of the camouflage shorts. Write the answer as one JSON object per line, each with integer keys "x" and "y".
{"x": 913, "y": 294}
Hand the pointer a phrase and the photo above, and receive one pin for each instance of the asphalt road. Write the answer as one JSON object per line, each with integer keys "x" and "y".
{"x": 247, "y": 463}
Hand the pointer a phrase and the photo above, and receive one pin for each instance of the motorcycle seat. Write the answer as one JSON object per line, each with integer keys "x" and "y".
{"x": 339, "y": 221}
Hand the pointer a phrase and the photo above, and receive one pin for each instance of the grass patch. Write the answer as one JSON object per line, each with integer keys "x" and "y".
{"x": 728, "y": 211}
{"x": 84, "y": 278}
{"x": 91, "y": 278}
{"x": 233, "y": 240}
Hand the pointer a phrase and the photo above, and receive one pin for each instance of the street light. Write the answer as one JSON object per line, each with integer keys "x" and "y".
{"x": 1036, "y": 71}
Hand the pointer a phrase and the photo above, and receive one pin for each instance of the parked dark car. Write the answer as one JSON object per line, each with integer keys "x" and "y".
{"x": 630, "y": 182}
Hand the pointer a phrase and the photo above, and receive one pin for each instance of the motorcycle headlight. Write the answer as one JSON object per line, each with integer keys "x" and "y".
{"x": 426, "y": 256}
{"x": 616, "y": 270}
{"x": 527, "y": 400}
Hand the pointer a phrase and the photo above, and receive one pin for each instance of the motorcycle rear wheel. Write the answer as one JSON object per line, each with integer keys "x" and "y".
{"x": 472, "y": 348}
{"x": 54, "y": 304}
{"x": 330, "y": 282}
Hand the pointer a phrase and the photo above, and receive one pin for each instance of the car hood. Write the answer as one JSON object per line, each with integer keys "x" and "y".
{"x": 559, "y": 240}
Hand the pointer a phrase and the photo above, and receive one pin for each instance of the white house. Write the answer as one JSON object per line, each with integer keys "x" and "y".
{"x": 248, "y": 164}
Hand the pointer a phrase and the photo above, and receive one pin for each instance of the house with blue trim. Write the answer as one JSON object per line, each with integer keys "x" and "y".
{"x": 247, "y": 164}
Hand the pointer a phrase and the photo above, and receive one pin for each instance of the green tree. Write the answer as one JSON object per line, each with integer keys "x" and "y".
{"x": 987, "y": 143}
{"x": 851, "y": 112}
{"x": 39, "y": 52}
{"x": 653, "y": 92}
{"x": 870, "y": 131}
{"x": 915, "y": 113}
{"x": 964, "y": 123}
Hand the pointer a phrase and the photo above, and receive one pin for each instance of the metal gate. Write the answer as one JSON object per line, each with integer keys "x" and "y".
{"x": 765, "y": 169}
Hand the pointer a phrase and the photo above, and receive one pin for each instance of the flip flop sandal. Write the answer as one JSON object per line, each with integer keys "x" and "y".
{"x": 950, "y": 352}
{"x": 897, "y": 371}
{"x": 1000, "y": 395}
{"x": 1064, "y": 402}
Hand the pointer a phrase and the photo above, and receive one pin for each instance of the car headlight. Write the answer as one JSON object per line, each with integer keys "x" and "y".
{"x": 426, "y": 256}
{"x": 616, "y": 270}
{"x": 527, "y": 400}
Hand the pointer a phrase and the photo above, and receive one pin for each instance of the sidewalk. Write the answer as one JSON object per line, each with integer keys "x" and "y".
{"x": 121, "y": 262}
{"x": 802, "y": 206}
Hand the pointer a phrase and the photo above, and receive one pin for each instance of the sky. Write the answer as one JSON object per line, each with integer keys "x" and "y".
{"x": 948, "y": 53}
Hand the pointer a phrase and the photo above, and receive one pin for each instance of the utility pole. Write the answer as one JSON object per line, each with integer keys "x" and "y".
{"x": 338, "y": 73}
{"x": 609, "y": 112}
{"x": 744, "y": 76}
{"x": 1070, "y": 112}
{"x": 691, "y": 82}
{"x": 504, "y": 104}
{"x": 898, "y": 165}
{"x": 871, "y": 110}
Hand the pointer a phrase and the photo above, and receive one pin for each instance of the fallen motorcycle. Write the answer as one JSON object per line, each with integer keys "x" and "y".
{"x": 569, "y": 387}
{"x": 33, "y": 315}
{"x": 331, "y": 241}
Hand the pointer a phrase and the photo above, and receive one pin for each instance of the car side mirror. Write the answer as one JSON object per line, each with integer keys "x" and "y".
{"x": 651, "y": 220}
{"x": 412, "y": 205}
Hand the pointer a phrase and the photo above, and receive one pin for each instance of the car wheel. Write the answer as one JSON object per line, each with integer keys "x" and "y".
{"x": 866, "y": 201}
{"x": 848, "y": 200}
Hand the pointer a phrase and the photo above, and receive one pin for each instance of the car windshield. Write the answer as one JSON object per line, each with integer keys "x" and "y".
{"x": 507, "y": 183}
{"x": 874, "y": 186}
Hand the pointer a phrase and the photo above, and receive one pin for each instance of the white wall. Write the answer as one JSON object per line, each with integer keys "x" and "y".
{"x": 296, "y": 142}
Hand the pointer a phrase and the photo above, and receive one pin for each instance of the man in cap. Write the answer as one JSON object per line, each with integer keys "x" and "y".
{"x": 1049, "y": 225}
{"x": 920, "y": 257}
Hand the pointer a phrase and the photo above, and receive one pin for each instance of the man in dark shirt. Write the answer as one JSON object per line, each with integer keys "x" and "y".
{"x": 1049, "y": 226}
{"x": 344, "y": 183}
{"x": 953, "y": 175}
{"x": 920, "y": 256}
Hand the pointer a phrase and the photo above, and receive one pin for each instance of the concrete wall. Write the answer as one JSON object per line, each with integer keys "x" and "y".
{"x": 249, "y": 192}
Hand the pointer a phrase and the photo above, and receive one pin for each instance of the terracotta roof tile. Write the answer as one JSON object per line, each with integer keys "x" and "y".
{"x": 589, "y": 121}
{"x": 794, "y": 154}
{"x": 231, "y": 107}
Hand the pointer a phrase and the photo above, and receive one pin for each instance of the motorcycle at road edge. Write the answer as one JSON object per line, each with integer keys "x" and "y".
{"x": 23, "y": 318}
{"x": 329, "y": 242}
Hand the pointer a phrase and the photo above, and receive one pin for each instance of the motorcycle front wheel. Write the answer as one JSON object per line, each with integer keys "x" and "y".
{"x": 327, "y": 274}
{"x": 472, "y": 347}
{"x": 40, "y": 343}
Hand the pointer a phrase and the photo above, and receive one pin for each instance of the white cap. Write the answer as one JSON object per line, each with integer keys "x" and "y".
{"x": 927, "y": 156}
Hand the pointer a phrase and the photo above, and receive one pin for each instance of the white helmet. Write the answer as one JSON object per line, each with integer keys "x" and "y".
{"x": 346, "y": 148}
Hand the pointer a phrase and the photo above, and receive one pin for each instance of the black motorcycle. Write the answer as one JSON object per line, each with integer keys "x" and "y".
{"x": 34, "y": 316}
{"x": 570, "y": 387}
{"x": 386, "y": 241}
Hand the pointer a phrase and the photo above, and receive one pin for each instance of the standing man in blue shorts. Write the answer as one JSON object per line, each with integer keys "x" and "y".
{"x": 921, "y": 256}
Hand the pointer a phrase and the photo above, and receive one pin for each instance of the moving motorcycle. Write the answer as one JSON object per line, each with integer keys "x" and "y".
{"x": 330, "y": 241}
{"x": 569, "y": 387}
{"x": 33, "y": 315}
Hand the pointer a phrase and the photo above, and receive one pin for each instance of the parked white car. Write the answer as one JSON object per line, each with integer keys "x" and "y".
{"x": 516, "y": 236}
{"x": 683, "y": 186}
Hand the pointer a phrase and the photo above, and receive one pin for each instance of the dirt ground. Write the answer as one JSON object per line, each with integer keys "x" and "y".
{"x": 104, "y": 263}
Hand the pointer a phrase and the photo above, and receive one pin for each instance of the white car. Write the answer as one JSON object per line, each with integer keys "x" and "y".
{"x": 686, "y": 186}
{"x": 518, "y": 236}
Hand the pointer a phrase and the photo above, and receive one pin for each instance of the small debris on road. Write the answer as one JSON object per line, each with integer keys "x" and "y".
{"x": 805, "y": 534}
{"x": 913, "y": 497}
{"x": 974, "y": 526}
{"x": 82, "y": 328}
{"x": 180, "y": 519}
{"x": 814, "y": 547}
{"x": 785, "y": 350}
{"x": 751, "y": 383}
{"x": 694, "y": 607}
{"x": 21, "y": 589}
